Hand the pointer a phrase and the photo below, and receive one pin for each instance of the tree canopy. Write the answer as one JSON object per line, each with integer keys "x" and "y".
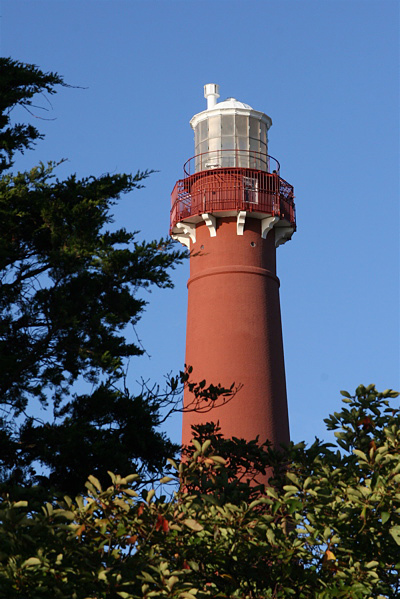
{"x": 71, "y": 286}
{"x": 327, "y": 526}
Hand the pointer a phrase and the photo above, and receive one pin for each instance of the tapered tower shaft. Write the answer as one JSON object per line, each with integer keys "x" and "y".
{"x": 232, "y": 212}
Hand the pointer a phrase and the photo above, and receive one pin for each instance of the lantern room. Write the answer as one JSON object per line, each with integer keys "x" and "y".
{"x": 231, "y": 174}
{"x": 229, "y": 134}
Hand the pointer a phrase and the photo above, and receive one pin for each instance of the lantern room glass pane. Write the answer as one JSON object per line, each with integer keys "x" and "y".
{"x": 228, "y": 142}
{"x": 263, "y": 136}
{"x": 203, "y": 147}
{"x": 227, "y": 125}
{"x": 214, "y": 126}
{"x": 254, "y": 128}
{"x": 228, "y": 159}
{"x": 214, "y": 143}
{"x": 203, "y": 130}
{"x": 242, "y": 143}
{"x": 241, "y": 126}
{"x": 254, "y": 145}
{"x": 242, "y": 160}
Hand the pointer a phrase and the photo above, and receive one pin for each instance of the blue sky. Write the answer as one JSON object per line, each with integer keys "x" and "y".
{"x": 326, "y": 72}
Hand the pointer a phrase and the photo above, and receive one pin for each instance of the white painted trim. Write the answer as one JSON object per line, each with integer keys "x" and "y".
{"x": 241, "y": 219}
{"x": 182, "y": 239}
{"x": 267, "y": 224}
{"x": 211, "y": 223}
{"x": 282, "y": 235}
{"x": 230, "y": 110}
{"x": 188, "y": 229}
{"x": 255, "y": 114}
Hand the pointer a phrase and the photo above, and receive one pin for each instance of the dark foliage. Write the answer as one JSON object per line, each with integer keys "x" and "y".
{"x": 19, "y": 83}
{"x": 327, "y": 527}
{"x": 70, "y": 287}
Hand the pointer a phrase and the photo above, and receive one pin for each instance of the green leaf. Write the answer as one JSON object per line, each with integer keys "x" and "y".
{"x": 130, "y": 478}
{"x": 218, "y": 460}
{"x": 172, "y": 580}
{"x": 290, "y": 488}
{"x": 122, "y": 504}
{"x": 193, "y": 524}
{"x": 32, "y": 561}
{"x": 307, "y": 482}
{"x": 150, "y": 495}
{"x": 65, "y": 514}
{"x": 272, "y": 492}
{"x": 293, "y": 478}
{"x": 130, "y": 492}
{"x": 385, "y": 517}
{"x": 256, "y": 502}
{"x": 270, "y": 536}
{"x": 360, "y": 454}
{"x": 327, "y": 533}
{"x": 395, "y": 532}
{"x": 372, "y": 564}
{"x": 148, "y": 577}
{"x": 166, "y": 479}
{"x": 20, "y": 504}
{"x": 196, "y": 444}
{"x": 95, "y": 482}
{"x": 111, "y": 475}
{"x": 205, "y": 445}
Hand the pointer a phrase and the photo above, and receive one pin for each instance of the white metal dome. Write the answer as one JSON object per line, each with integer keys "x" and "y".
{"x": 228, "y": 106}
{"x": 232, "y": 103}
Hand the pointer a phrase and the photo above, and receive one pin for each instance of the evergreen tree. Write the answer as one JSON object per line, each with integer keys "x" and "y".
{"x": 70, "y": 287}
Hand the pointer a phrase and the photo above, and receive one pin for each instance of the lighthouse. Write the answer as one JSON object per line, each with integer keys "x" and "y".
{"x": 232, "y": 209}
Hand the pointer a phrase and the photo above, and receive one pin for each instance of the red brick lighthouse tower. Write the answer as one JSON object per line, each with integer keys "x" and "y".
{"x": 232, "y": 209}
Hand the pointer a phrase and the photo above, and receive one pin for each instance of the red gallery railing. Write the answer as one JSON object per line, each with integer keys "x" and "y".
{"x": 222, "y": 189}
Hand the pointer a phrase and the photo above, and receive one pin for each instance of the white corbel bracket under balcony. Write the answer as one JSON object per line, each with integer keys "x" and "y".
{"x": 267, "y": 224}
{"x": 211, "y": 223}
{"x": 282, "y": 233}
{"x": 186, "y": 233}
